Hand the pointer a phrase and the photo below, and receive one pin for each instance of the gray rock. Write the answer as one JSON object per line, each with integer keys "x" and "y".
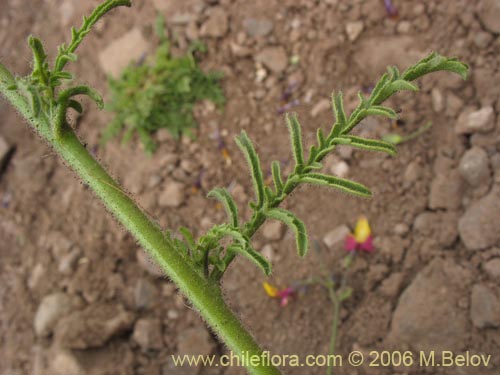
{"x": 148, "y": 334}
{"x": 336, "y": 236}
{"x": 354, "y": 29}
{"x": 446, "y": 190}
{"x": 391, "y": 286}
{"x": 217, "y": 24}
{"x": 145, "y": 294}
{"x": 274, "y": 58}
{"x": 439, "y": 225}
{"x": 273, "y": 230}
{"x": 492, "y": 268}
{"x": 118, "y": 54}
{"x": 474, "y": 166}
{"x": 489, "y": 14}
{"x": 479, "y": 226}
{"x": 257, "y": 27}
{"x": 426, "y": 317}
{"x": 484, "y": 307}
{"x": 68, "y": 261}
{"x": 52, "y": 308}
{"x": 195, "y": 340}
{"x": 172, "y": 195}
{"x": 93, "y": 326}
{"x": 482, "y": 121}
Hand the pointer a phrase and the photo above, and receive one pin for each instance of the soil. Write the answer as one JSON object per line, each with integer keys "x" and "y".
{"x": 433, "y": 282}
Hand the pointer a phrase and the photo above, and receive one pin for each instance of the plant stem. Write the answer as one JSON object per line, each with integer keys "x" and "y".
{"x": 335, "y": 325}
{"x": 205, "y": 296}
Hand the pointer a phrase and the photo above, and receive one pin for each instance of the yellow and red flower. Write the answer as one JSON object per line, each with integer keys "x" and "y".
{"x": 361, "y": 239}
{"x": 283, "y": 295}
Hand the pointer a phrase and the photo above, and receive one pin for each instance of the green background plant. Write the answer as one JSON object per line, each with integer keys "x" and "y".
{"x": 196, "y": 266}
{"x": 160, "y": 94}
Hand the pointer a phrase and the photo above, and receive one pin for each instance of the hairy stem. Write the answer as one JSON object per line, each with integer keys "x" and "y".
{"x": 205, "y": 296}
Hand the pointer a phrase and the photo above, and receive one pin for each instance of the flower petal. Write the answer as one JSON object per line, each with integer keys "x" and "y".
{"x": 367, "y": 245}
{"x": 350, "y": 243}
{"x": 270, "y": 290}
{"x": 362, "y": 230}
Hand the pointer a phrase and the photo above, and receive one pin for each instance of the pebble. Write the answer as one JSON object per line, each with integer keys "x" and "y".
{"x": 273, "y": 58}
{"x": 67, "y": 262}
{"x": 267, "y": 252}
{"x": 336, "y": 237}
{"x": 446, "y": 190}
{"x": 489, "y": 14}
{"x": 320, "y": 107}
{"x": 172, "y": 314}
{"x": 354, "y": 30}
{"x": 273, "y": 230}
{"x": 93, "y": 326}
{"x": 52, "y": 308}
{"x": 482, "y": 120}
{"x": 437, "y": 100}
{"x": 492, "y": 268}
{"x": 65, "y": 363}
{"x": 257, "y": 27}
{"x": 474, "y": 166}
{"x": 340, "y": 168}
{"x": 401, "y": 229}
{"x": 484, "y": 307}
{"x": 145, "y": 294}
{"x": 173, "y": 194}
{"x": 148, "y": 334}
{"x": 479, "y": 227}
{"x": 217, "y": 24}
{"x": 118, "y": 54}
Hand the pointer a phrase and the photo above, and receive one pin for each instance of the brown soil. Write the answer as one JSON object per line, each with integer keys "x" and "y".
{"x": 414, "y": 292}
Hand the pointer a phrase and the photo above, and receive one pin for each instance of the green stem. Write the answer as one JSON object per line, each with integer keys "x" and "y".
{"x": 205, "y": 296}
{"x": 335, "y": 326}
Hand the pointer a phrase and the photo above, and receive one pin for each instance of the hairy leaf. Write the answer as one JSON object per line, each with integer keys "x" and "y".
{"x": 435, "y": 62}
{"x": 338, "y": 108}
{"x": 370, "y": 144}
{"x": 295, "y": 224}
{"x": 276, "y": 172}
{"x": 255, "y": 257}
{"x": 246, "y": 146}
{"x": 296, "y": 140}
{"x": 223, "y": 196}
{"x": 342, "y": 184}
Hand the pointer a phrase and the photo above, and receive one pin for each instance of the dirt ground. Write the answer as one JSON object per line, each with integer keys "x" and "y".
{"x": 77, "y": 295}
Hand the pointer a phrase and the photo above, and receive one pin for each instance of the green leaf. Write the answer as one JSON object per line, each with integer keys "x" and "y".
{"x": 382, "y": 82}
{"x": 246, "y": 146}
{"x": 338, "y": 108}
{"x": 39, "y": 57}
{"x": 93, "y": 94}
{"x": 227, "y": 230}
{"x": 276, "y": 172}
{"x": 392, "y": 88}
{"x": 371, "y": 144}
{"x": 224, "y": 197}
{"x": 6, "y": 76}
{"x": 295, "y": 224}
{"x": 344, "y": 294}
{"x": 341, "y": 184}
{"x": 320, "y": 138}
{"x": 75, "y": 105}
{"x": 35, "y": 101}
{"x": 255, "y": 257}
{"x": 435, "y": 62}
{"x": 296, "y": 141}
{"x": 188, "y": 237}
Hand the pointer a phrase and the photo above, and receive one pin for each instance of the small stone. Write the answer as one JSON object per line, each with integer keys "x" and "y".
{"x": 148, "y": 264}
{"x": 67, "y": 263}
{"x": 340, "y": 168}
{"x": 474, "y": 166}
{"x": 404, "y": 27}
{"x": 482, "y": 39}
{"x": 412, "y": 173}
{"x": 36, "y": 276}
{"x": 484, "y": 307}
{"x": 117, "y": 56}
{"x": 481, "y": 121}
{"x": 267, "y": 252}
{"x": 401, "y": 229}
{"x": 489, "y": 14}
{"x": 217, "y": 24}
{"x": 320, "y": 107}
{"x": 93, "y": 326}
{"x": 148, "y": 334}
{"x": 354, "y": 30}
{"x": 65, "y": 363}
{"x": 492, "y": 268}
{"x": 274, "y": 58}
{"x": 172, "y": 195}
{"x": 336, "y": 237}
{"x": 195, "y": 341}
{"x": 172, "y": 314}
{"x": 446, "y": 190}
{"x": 273, "y": 230}
{"x": 257, "y": 27}
{"x": 479, "y": 227}
{"x": 145, "y": 294}
{"x": 437, "y": 100}
{"x": 240, "y": 51}
{"x": 52, "y": 308}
